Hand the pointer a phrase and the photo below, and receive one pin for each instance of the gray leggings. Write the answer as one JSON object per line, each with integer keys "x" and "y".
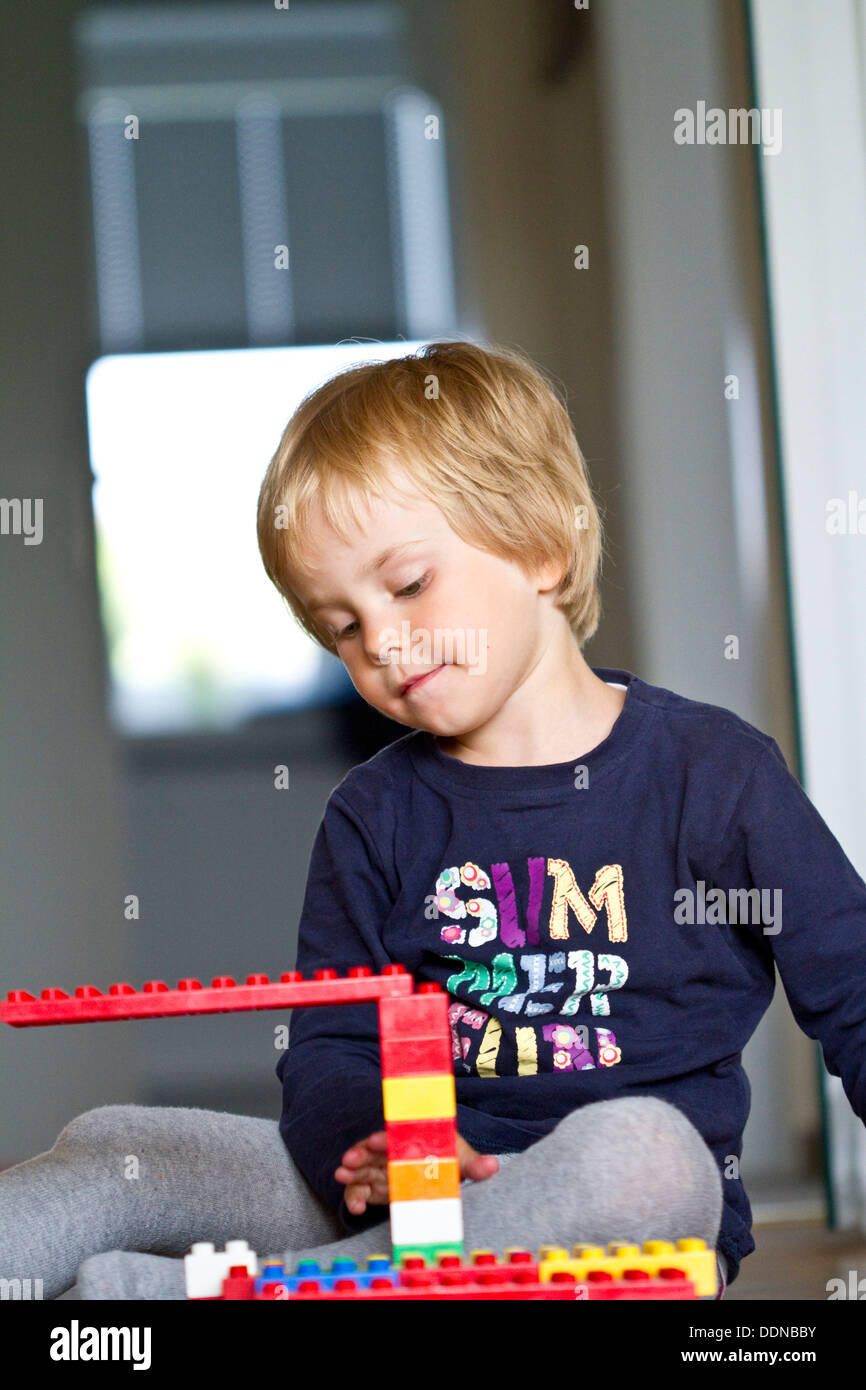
{"x": 154, "y": 1179}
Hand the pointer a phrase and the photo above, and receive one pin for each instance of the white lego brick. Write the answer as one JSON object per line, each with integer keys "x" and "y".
{"x": 205, "y": 1268}
{"x": 238, "y": 1252}
{"x": 425, "y": 1222}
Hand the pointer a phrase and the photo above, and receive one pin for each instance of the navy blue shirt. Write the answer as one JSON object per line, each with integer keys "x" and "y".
{"x": 604, "y": 927}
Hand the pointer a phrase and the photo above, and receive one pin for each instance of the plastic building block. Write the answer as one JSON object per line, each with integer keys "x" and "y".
{"x": 426, "y": 1222}
{"x": 414, "y": 1034}
{"x": 424, "y": 1286}
{"x": 421, "y": 1015}
{"x": 690, "y": 1256}
{"x": 432, "y": 1251}
{"x": 223, "y": 995}
{"x": 418, "y": 1087}
{"x": 420, "y": 1110}
{"x": 238, "y": 1283}
{"x": 275, "y": 1282}
{"x": 420, "y": 1139}
{"x": 415, "y": 1056}
{"x": 419, "y": 1097}
{"x": 205, "y": 1268}
{"x": 449, "y": 1278}
{"x": 427, "y": 1179}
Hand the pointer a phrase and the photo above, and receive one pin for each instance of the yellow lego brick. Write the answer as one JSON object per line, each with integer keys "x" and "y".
{"x": 554, "y": 1252}
{"x": 411, "y": 1179}
{"x": 689, "y": 1254}
{"x": 419, "y": 1097}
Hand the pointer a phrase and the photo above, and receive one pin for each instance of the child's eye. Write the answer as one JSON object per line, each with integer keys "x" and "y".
{"x": 404, "y": 593}
{"x": 417, "y": 585}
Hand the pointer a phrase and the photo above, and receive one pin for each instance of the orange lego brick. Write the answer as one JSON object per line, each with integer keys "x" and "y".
{"x": 430, "y": 1177}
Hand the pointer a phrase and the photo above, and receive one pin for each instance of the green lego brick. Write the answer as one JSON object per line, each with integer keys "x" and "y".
{"x": 429, "y": 1252}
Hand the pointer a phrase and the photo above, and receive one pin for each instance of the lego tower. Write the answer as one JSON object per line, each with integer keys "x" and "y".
{"x": 421, "y": 1124}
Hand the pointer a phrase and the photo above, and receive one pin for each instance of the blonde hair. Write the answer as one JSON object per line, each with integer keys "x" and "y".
{"x": 480, "y": 432}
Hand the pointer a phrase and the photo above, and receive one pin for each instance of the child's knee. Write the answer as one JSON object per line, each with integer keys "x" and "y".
{"x": 655, "y": 1132}
{"x": 101, "y": 1130}
{"x": 648, "y": 1116}
{"x": 622, "y": 1114}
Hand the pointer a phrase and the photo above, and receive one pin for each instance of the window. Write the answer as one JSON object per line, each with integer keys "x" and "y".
{"x": 197, "y": 634}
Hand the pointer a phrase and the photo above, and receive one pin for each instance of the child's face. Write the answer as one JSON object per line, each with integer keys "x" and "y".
{"x": 436, "y": 603}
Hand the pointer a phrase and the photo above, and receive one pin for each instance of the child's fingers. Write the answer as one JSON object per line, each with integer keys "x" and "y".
{"x": 364, "y": 1170}
{"x": 360, "y": 1153}
{"x": 360, "y": 1195}
{"x": 368, "y": 1173}
{"x": 354, "y": 1157}
{"x": 357, "y": 1196}
{"x": 480, "y": 1166}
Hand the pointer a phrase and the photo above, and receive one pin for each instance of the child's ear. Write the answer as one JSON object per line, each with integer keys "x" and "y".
{"x": 550, "y": 575}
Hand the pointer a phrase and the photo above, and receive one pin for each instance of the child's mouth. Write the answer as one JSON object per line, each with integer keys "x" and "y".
{"x": 411, "y": 686}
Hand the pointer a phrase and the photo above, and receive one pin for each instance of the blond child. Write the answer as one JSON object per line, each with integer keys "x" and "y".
{"x": 592, "y": 868}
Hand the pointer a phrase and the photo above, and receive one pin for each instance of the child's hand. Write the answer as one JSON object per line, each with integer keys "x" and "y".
{"x": 364, "y": 1170}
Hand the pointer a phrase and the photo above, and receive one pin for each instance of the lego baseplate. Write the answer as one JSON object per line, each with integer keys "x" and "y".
{"x": 661, "y": 1270}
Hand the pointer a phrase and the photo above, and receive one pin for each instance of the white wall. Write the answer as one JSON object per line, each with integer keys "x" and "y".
{"x": 816, "y": 227}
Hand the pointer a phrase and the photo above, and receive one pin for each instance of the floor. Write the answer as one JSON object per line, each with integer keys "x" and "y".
{"x": 795, "y": 1254}
{"x": 796, "y": 1260}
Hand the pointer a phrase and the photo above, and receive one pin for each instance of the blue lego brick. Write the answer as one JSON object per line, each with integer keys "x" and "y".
{"x": 378, "y": 1267}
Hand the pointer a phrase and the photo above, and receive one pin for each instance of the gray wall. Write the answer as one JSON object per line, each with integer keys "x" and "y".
{"x": 219, "y": 857}
{"x": 61, "y": 800}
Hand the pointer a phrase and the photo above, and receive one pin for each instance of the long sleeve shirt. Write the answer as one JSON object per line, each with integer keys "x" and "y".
{"x": 608, "y": 926}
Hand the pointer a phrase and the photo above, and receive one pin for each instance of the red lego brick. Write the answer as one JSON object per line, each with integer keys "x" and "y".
{"x": 491, "y": 1280}
{"x": 238, "y": 1283}
{"x": 419, "y": 1139}
{"x": 156, "y": 1000}
{"x": 421, "y": 1015}
{"x": 414, "y": 1036}
{"x": 416, "y": 1056}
